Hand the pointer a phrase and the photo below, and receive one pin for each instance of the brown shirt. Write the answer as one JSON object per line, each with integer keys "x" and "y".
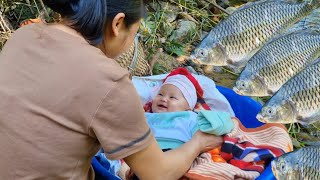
{"x": 61, "y": 99}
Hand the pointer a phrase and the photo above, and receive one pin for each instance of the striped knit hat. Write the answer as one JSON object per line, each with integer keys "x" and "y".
{"x": 188, "y": 85}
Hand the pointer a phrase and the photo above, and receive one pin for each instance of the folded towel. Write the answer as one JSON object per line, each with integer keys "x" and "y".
{"x": 214, "y": 122}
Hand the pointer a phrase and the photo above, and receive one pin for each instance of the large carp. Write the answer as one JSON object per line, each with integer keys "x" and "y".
{"x": 236, "y": 39}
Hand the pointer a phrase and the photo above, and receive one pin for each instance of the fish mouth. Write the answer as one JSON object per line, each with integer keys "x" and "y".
{"x": 261, "y": 118}
{"x": 236, "y": 90}
{"x": 273, "y": 168}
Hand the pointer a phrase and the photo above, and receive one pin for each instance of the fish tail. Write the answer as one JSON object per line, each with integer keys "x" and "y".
{"x": 313, "y": 3}
{"x": 310, "y": 22}
{"x": 313, "y": 20}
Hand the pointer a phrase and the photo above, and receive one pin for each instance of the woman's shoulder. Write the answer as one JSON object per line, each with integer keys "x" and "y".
{"x": 64, "y": 46}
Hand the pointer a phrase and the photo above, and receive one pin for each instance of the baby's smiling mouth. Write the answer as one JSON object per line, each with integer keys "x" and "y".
{"x": 162, "y": 106}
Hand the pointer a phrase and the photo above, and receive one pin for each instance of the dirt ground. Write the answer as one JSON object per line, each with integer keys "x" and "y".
{"x": 164, "y": 63}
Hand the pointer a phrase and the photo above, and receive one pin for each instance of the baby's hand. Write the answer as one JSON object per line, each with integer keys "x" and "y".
{"x": 206, "y": 141}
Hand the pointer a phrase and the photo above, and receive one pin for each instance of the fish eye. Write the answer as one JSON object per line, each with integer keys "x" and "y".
{"x": 242, "y": 84}
{"x": 269, "y": 111}
{"x": 202, "y": 52}
{"x": 282, "y": 167}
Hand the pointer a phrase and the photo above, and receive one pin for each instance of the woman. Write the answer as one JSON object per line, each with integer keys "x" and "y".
{"x": 63, "y": 97}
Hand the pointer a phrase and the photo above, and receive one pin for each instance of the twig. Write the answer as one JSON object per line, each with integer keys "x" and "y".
{"x": 35, "y": 3}
{"x": 44, "y": 8}
{"x": 188, "y": 17}
{"x": 28, "y": 2}
{"x": 154, "y": 59}
{"x": 217, "y": 6}
{"x": 158, "y": 24}
{"x": 4, "y": 24}
{"x": 228, "y": 71}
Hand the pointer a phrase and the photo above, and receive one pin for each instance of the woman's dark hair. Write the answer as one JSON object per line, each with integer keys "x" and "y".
{"x": 90, "y": 17}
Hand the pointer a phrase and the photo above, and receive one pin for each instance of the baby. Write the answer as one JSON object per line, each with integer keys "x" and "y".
{"x": 177, "y": 93}
{"x": 172, "y": 119}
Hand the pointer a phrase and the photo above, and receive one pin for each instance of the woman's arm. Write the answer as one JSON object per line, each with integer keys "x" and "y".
{"x": 152, "y": 163}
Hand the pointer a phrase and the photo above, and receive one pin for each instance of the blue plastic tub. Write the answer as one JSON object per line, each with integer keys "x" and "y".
{"x": 244, "y": 108}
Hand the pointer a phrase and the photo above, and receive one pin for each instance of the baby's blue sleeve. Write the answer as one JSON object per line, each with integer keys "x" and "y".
{"x": 214, "y": 122}
{"x": 193, "y": 123}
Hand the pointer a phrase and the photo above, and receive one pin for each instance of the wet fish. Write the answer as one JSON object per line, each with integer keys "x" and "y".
{"x": 298, "y": 100}
{"x": 277, "y": 61}
{"x": 234, "y": 40}
{"x": 302, "y": 164}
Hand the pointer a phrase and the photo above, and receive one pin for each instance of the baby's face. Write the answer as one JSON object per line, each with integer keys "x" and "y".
{"x": 169, "y": 99}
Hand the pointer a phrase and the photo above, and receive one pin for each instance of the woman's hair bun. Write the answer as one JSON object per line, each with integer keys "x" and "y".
{"x": 61, "y": 6}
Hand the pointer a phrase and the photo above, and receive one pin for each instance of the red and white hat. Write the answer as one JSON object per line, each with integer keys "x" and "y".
{"x": 188, "y": 85}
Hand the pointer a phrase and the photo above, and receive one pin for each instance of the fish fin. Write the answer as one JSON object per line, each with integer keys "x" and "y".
{"x": 316, "y": 61}
{"x": 312, "y": 3}
{"x": 315, "y": 143}
{"x": 309, "y": 119}
{"x": 208, "y": 69}
{"x": 231, "y": 62}
{"x": 299, "y": 118}
{"x": 249, "y": 4}
{"x": 270, "y": 92}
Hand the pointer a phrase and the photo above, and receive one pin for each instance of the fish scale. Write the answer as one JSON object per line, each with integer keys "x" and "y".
{"x": 278, "y": 61}
{"x": 302, "y": 164}
{"x": 235, "y": 39}
{"x": 298, "y": 100}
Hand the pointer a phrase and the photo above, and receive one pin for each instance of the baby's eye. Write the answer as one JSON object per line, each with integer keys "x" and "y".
{"x": 160, "y": 94}
{"x": 173, "y": 97}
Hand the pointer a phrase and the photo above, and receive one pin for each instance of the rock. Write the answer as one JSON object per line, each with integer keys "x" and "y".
{"x": 171, "y": 11}
{"x": 164, "y": 63}
{"x": 184, "y": 28}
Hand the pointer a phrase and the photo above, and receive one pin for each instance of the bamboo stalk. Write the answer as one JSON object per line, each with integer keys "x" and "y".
{"x": 28, "y": 2}
{"x": 217, "y": 6}
{"x": 44, "y": 8}
{"x": 4, "y": 25}
{"x": 35, "y": 3}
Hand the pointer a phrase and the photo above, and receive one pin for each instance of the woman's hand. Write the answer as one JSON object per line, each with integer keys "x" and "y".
{"x": 207, "y": 141}
{"x": 152, "y": 163}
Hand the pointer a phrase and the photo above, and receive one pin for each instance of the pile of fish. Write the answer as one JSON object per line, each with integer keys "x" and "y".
{"x": 298, "y": 100}
{"x": 236, "y": 39}
{"x": 274, "y": 42}
{"x": 276, "y": 45}
{"x": 281, "y": 58}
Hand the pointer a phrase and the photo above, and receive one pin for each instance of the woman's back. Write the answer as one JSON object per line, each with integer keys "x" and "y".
{"x": 51, "y": 85}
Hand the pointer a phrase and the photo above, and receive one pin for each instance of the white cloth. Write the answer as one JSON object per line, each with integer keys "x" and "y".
{"x": 148, "y": 86}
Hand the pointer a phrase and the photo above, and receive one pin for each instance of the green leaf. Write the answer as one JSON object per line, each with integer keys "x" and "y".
{"x": 173, "y": 47}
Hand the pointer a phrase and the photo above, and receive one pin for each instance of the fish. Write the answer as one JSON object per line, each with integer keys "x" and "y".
{"x": 297, "y": 101}
{"x": 236, "y": 39}
{"x": 301, "y": 164}
{"x": 311, "y": 21}
{"x": 277, "y": 61}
